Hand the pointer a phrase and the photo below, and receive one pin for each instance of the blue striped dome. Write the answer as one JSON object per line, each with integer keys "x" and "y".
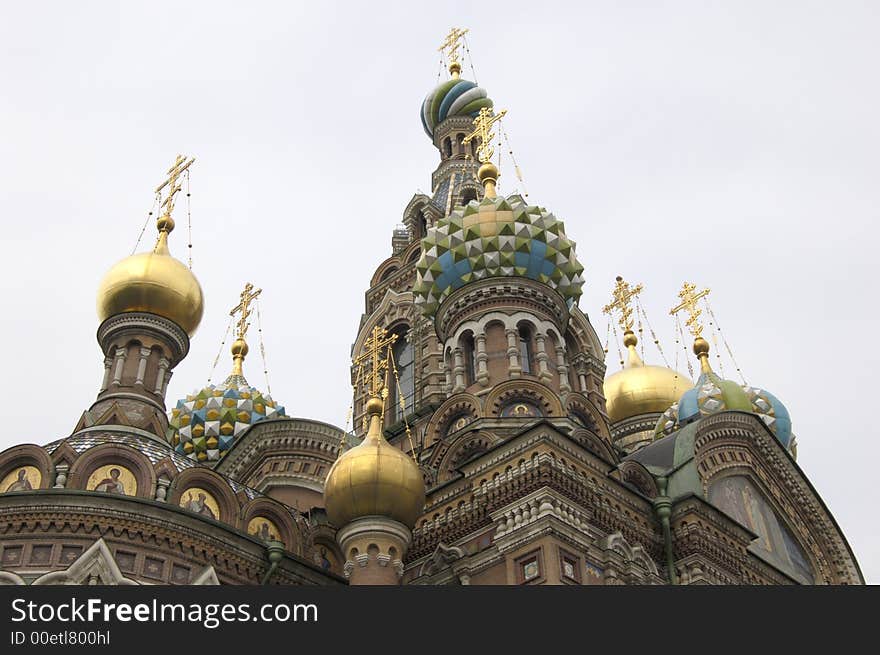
{"x": 455, "y": 97}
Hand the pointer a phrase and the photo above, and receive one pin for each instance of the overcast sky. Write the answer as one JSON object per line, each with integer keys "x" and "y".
{"x": 731, "y": 144}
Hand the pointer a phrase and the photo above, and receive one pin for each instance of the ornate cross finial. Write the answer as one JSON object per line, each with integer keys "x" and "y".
{"x": 180, "y": 165}
{"x": 375, "y": 358}
{"x": 483, "y": 129}
{"x": 244, "y": 307}
{"x": 623, "y": 295}
{"x": 689, "y": 303}
{"x": 450, "y": 47}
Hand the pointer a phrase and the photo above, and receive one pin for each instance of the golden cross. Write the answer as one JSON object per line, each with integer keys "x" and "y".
{"x": 373, "y": 358}
{"x": 180, "y": 165}
{"x": 689, "y": 303}
{"x": 482, "y": 128}
{"x": 623, "y": 295}
{"x": 244, "y": 307}
{"x": 451, "y": 44}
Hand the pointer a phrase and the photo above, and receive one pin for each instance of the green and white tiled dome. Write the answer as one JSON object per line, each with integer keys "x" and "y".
{"x": 496, "y": 237}
{"x": 205, "y": 424}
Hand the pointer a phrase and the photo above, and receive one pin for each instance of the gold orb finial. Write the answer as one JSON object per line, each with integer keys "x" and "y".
{"x": 154, "y": 281}
{"x": 374, "y": 478}
{"x": 165, "y": 224}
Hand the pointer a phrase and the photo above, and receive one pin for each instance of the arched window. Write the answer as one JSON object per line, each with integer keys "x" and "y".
{"x": 460, "y": 150}
{"x": 470, "y": 358}
{"x": 447, "y": 147}
{"x": 467, "y": 195}
{"x": 404, "y": 386}
{"x": 423, "y": 224}
{"x": 525, "y": 348}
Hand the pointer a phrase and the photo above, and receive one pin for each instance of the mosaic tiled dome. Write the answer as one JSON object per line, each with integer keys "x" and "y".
{"x": 492, "y": 238}
{"x": 713, "y": 394}
{"x": 455, "y": 97}
{"x": 205, "y": 424}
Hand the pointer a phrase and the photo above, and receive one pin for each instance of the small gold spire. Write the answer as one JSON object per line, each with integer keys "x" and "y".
{"x": 450, "y": 46}
{"x": 689, "y": 303}
{"x": 488, "y": 172}
{"x": 239, "y": 346}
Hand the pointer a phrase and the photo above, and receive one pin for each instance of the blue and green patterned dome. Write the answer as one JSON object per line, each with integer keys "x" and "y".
{"x": 205, "y": 424}
{"x": 713, "y": 394}
{"x": 455, "y": 97}
{"x": 496, "y": 237}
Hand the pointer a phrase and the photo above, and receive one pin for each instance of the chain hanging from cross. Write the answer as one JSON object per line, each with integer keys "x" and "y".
{"x": 622, "y": 303}
{"x": 451, "y": 45}
{"x": 243, "y": 307}
{"x": 181, "y": 164}
{"x": 689, "y": 304}
{"x": 483, "y": 130}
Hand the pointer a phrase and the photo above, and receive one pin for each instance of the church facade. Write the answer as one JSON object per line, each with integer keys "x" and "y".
{"x": 490, "y": 445}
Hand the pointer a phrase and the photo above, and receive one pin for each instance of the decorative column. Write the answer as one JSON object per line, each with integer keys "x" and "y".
{"x": 61, "y": 475}
{"x": 581, "y": 368}
{"x": 168, "y": 375}
{"x": 160, "y": 376}
{"x": 482, "y": 360}
{"x": 562, "y": 369}
{"x": 108, "y": 362}
{"x": 142, "y": 366}
{"x": 447, "y": 376}
{"x": 541, "y": 357}
{"x": 458, "y": 371}
{"x": 513, "y": 368}
{"x": 162, "y": 485}
{"x": 120, "y": 362}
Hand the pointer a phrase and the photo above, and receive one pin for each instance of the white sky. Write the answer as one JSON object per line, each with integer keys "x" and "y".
{"x": 732, "y": 144}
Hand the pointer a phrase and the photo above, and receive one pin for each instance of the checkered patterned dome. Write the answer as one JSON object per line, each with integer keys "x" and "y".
{"x": 492, "y": 238}
{"x": 206, "y": 423}
{"x": 712, "y": 394}
{"x": 455, "y": 97}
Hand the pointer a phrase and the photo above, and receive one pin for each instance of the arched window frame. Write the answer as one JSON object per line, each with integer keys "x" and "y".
{"x": 404, "y": 360}
{"x": 525, "y": 333}
{"x": 469, "y": 353}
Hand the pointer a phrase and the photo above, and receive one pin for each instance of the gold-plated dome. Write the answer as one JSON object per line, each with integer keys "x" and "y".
{"x": 153, "y": 282}
{"x": 640, "y": 388}
{"x": 374, "y": 479}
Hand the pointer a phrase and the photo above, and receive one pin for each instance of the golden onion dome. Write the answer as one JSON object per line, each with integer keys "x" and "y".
{"x": 640, "y": 388}
{"x": 153, "y": 282}
{"x": 374, "y": 479}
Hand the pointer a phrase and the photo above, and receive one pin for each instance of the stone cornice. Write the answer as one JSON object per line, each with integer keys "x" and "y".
{"x": 165, "y": 528}
{"x": 138, "y": 322}
{"x": 283, "y": 435}
{"x": 509, "y": 291}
